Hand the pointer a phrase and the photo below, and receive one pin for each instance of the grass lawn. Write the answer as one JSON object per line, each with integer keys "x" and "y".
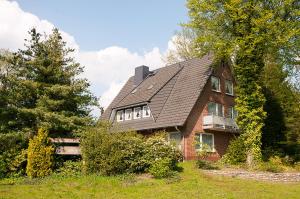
{"x": 193, "y": 184}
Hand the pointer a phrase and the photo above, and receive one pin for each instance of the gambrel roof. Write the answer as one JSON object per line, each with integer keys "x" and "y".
{"x": 171, "y": 92}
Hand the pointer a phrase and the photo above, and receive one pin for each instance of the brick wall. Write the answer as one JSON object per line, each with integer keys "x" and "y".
{"x": 194, "y": 121}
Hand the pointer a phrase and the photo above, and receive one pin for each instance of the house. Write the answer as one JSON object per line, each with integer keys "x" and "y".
{"x": 191, "y": 100}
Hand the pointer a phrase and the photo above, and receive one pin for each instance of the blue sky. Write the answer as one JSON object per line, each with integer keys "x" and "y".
{"x": 110, "y": 38}
{"x": 136, "y": 24}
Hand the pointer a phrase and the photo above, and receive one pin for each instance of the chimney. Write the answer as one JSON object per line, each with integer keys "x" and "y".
{"x": 141, "y": 72}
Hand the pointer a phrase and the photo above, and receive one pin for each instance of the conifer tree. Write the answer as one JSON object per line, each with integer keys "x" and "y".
{"x": 45, "y": 89}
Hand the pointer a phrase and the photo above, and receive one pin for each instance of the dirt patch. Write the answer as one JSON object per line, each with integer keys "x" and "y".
{"x": 262, "y": 176}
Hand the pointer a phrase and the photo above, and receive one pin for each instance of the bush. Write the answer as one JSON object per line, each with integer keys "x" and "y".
{"x": 111, "y": 153}
{"x": 161, "y": 168}
{"x": 274, "y": 165}
{"x": 40, "y": 156}
{"x": 235, "y": 153}
{"x": 204, "y": 164}
{"x": 12, "y": 154}
{"x": 297, "y": 166}
{"x": 156, "y": 147}
{"x": 70, "y": 168}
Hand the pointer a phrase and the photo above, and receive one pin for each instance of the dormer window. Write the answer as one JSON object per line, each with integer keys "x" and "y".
{"x": 146, "y": 111}
{"x": 120, "y": 116}
{"x": 228, "y": 87}
{"x": 215, "y": 84}
{"x": 128, "y": 114}
{"x": 137, "y": 113}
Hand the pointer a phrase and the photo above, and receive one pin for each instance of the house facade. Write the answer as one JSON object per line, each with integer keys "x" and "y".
{"x": 192, "y": 100}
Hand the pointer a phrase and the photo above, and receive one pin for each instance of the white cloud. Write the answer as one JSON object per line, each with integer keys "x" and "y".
{"x": 107, "y": 69}
{"x": 15, "y": 24}
{"x": 112, "y": 91}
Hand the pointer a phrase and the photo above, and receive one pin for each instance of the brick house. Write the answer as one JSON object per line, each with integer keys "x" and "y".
{"x": 191, "y": 100}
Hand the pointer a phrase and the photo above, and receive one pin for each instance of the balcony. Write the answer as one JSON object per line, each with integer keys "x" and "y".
{"x": 218, "y": 123}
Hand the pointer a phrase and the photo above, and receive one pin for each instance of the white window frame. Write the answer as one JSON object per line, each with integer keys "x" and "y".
{"x": 217, "y": 110}
{"x": 135, "y": 111}
{"x": 127, "y": 112}
{"x": 226, "y": 82}
{"x": 144, "y": 111}
{"x": 122, "y": 112}
{"x": 211, "y": 81}
{"x": 233, "y": 112}
{"x": 213, "y": 141}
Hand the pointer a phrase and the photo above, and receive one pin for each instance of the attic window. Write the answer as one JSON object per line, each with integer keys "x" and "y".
{"x": 215, "y": 84}
{"x": 137, "y": 113}
{"x": 120, "y": 116}
{"x": 228, "y": 87}
{"x": 146, "y": 111}
{"x": 128, "y": 114}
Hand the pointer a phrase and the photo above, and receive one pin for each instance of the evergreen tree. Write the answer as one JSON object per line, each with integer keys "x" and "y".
{"x": 248, "y": 32}
{"x": 45, "y": 89}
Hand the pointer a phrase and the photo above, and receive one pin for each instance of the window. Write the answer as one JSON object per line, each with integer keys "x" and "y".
{"x": 137, "y": 113}
{"x": 215, "y": 109}
{"x": 175, "y": 138}
{"x": 228, "y": 87}
{"x": 146, "y": 111}
{"x": 215, "y": 84}
{"x": 120, "y": 116}
{"x": 232, "y": 113}
{"x": 204, "y": 141}
{"x": 128, "y": 114}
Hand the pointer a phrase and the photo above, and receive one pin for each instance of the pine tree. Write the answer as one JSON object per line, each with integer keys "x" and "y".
{"x": 45, "y": 89}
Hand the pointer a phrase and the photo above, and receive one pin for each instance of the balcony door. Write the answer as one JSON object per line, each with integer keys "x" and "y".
{"x": 215, "y": 109}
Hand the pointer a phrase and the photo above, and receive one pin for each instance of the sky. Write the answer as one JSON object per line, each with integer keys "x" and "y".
{"x": 110, "y": 37}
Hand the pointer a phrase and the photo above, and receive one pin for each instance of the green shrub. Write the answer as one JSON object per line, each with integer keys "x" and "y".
{"x": 111, "y": 153}
{"x": 12, "y": 154}
{"x": 235, "y": 153}
{"x": 161, "y": 168}
{"x": 297, "y": 166}
{"x": 204, "y": 164}
{"x": 274, "y": 165}
{"x": 156, "y": 147}
{"x": 70, "y": 168}
{"x": 40, "y": 156}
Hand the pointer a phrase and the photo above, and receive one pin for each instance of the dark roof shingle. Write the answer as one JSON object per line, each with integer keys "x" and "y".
{"x": 175, "y": 90}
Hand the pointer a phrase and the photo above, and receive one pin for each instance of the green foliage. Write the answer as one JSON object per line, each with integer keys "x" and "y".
{"x": 235, "y": 152}
{"x": 204, "y": 164}
{"x": 274, "y": 165}
{"x": 40, "y": 156}
{"x": 161, "y": 168}
{"x": 156, "y": 147}
{"x": 281, "y": 133}
{"x": 42, "y": 88}
{"x": 111, "y": 153}
{"x": 70, "y": 168}
{"x": 12, "y": 154}
{"x": 247, "y": 33}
